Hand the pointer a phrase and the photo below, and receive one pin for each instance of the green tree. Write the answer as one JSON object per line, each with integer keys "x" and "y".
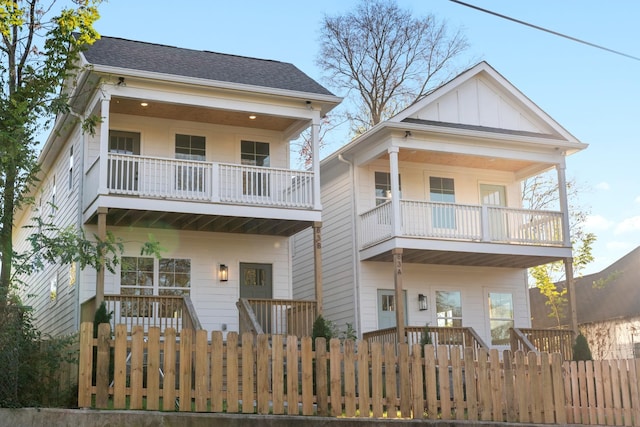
{"x": 39, "y": 50}
{"x": 385, "y": 58}
{"x": 581, "y": 349}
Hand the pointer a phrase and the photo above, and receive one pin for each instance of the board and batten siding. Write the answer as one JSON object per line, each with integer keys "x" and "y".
{"x": 474, "y": 284}
{"x": 57, "y": 316}
{"x": 214, "y": 301}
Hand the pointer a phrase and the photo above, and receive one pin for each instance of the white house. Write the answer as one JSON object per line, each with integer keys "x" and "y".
{"x": 193, "y": 148}
{"x": 423, "y": 220}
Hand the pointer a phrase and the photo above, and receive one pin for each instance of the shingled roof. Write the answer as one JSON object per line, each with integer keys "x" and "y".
{"x": 136, "y": 55}
{"x": 618, "y": 297}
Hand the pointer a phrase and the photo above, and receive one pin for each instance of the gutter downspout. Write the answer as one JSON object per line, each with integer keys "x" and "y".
{"x": 354, "y": 242}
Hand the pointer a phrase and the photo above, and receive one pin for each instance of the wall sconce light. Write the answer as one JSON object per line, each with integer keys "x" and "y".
{"x": 407, "y": 133}
{"x": 223, "y": 273}
{"x": 422, "y": 302}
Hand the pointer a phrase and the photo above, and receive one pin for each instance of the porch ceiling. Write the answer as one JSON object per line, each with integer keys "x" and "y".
{"x": 461, "y": 160}
{"x": 199, "y": 222}
{"x": 197, "y": 114}
{"x": 473, "y": 259}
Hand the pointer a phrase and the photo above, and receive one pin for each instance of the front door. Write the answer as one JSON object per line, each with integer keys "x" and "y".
{"x": 123, "y": 171}
{"x": 387, "y": 308}
{"x": 495, "y": 195}
{"x": 256, "y": 284}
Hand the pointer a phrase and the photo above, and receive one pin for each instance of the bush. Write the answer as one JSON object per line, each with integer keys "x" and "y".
{"x": 322, "y": 329}
{"x": 581, "y": 349}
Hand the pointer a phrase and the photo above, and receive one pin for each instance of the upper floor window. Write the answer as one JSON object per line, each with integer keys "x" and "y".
{"x": 190, "y": 147}
{"x": 254, "y": 153}
{"x": 448, "y": 308}
{"x": 383, "y": 187}
{"x": 442, "y": 190}
{"x": 124, "y": 142}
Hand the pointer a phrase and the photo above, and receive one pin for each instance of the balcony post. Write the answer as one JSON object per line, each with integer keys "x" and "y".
{"x": 397, "y": 280}
{"x": 104, "y": 144}
{"x": 395, "y": 191}
{"x": 317, "y": 263}
{"x": 564, "y": 203}
{"x": 315, "y": 159}
{"x": 102, "y": 235}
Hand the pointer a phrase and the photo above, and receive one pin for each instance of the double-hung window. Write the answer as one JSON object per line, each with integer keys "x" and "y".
{"x": 190, "y": 176}
{"x": 449, "y": 308}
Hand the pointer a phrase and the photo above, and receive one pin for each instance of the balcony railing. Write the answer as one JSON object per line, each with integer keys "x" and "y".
{"x": 156, "y": 177}
{"x": 277, "y": 316}
{"x": 441, "y": 337}
{"x": 463, "y": 222}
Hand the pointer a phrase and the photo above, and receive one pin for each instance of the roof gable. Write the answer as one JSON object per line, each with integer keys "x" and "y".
{"x": 481, "y": 99}
{"x": 156, "y": 58}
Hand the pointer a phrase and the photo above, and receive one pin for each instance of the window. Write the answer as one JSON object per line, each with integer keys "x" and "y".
{"x": 137, "y": 276}
{"x": 442, "y": 190}
{"x": 71, "y": 168}
{"x": 255, "y": 183}
{"x": 123, "y": 170}
{"x": 190, "y": 147}
{"x": 383, "y": 187}
{"x": 500, "y": 317}
{"x": 190, "y": 177}
{"x": 124, "y": 142}
{"x": 448, "y": 308}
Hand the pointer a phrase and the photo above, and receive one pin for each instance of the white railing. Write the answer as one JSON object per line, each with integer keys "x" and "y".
{"x": 205, "y": 181}
{"x": 463, "y": 222}
{"x": 376, "y": 225}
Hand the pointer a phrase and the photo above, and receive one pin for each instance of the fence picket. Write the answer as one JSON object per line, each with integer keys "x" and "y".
{"x": 431, "y": 380}
{"x": 335, "y": 375}
{"x": 458, "y": 392}
{"x": 547, "y": 388}
{"x": 153, "y": 369}
{"x": 445, "y": 381}
{"x": 262, "y": 376}
{"x": 535, "y": 390}
{"x": 417, "y": 383}
{"x": 615, "y": 388}
{"x": 292, "y": 375}
{"x": 322, "y": 393}
{"x": 624, "y": 388}
{"x": 120, "y": 368}
{"x": 85, "y": 365}
{"x": 186, "y": 362}
{"x": 376, "y": 380}
{"x": 558, "y": 389}
{"x": 591, "y": 398}
{"x": 471, "y": 383}
{"x": 248, "y": 379}
{"x": 232, "y": 372}
{"x": 217, "y": 371}
{"x": 277, "y": 374}
{"x": 201, "y": 371}
{"x": 349, "y": 379}
{"x": 584, "y": 398}
{"x": 307, "y": 376}
{"x": 391, "y": 384}
{"x": 102, "y": 366}
{"x": 496, "y": 386}
{"x": 509, "y": 387}
{"x": 169, "y": 382}
{"x": 635, "y": 395}
{"x": 363, "y": 379}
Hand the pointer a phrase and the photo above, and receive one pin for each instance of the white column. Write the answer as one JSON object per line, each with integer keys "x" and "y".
{"x": 564, "y": 203}
{"x": 395, "y": 190}
{"x": 315, "y": 159}
{"x": 104, "y": 143}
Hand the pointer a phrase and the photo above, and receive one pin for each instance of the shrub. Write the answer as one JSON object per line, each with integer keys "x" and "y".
{"x": 581, "y": 349}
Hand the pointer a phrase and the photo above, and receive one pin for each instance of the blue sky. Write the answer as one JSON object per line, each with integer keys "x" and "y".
{"x": 594, "y": 94}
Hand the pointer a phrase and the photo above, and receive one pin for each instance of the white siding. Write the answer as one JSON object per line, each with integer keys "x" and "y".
{"x": 474, "y": 283}
{"x": 214, "y": 301}
{"x": 59, "y": 316}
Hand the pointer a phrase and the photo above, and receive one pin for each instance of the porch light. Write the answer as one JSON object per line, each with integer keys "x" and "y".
{"x": 422, "y": 302}
{"x": 223, "y": 273}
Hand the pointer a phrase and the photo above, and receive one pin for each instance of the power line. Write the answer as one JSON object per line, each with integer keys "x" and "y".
{"x": 546, "y": 30}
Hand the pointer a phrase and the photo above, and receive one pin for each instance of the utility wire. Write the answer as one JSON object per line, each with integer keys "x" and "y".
{"x": 546, "y": 30}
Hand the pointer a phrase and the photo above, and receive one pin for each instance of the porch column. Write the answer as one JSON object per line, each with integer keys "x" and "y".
{"x": 315, "y": 159}
{"x": 571, "y": 290}
{"x": 102, "y": 235}
{"x": 395, "y": 191}
{"x": 564, "y": 203}
{"x": 317, "y": 263}
{"x": 104, "y": 144}
{"x": 397, "y": 280}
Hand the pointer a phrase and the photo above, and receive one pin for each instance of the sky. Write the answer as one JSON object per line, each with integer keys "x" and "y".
{"x": 592, "y": 93}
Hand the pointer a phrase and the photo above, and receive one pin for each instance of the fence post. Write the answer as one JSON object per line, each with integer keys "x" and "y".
{"x": 85, "y": 365}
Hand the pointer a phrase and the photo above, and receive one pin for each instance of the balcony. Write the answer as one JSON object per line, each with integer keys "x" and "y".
{"x": 521, "y": 237}
{"x": 226, "y": 197}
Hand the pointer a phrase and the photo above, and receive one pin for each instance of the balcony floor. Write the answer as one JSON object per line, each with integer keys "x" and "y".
{"x": 200, "y": 222}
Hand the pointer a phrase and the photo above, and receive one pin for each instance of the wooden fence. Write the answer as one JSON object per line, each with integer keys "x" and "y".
{"x": 277, "y": 375}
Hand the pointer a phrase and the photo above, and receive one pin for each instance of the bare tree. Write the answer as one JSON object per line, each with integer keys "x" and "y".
{"x": 385, "y": 58}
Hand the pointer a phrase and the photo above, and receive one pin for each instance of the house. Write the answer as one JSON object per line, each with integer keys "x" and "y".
{"x": 423, "y": 221}
{"x": 608, "y": 309}
{"x": 192, "y": 149}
